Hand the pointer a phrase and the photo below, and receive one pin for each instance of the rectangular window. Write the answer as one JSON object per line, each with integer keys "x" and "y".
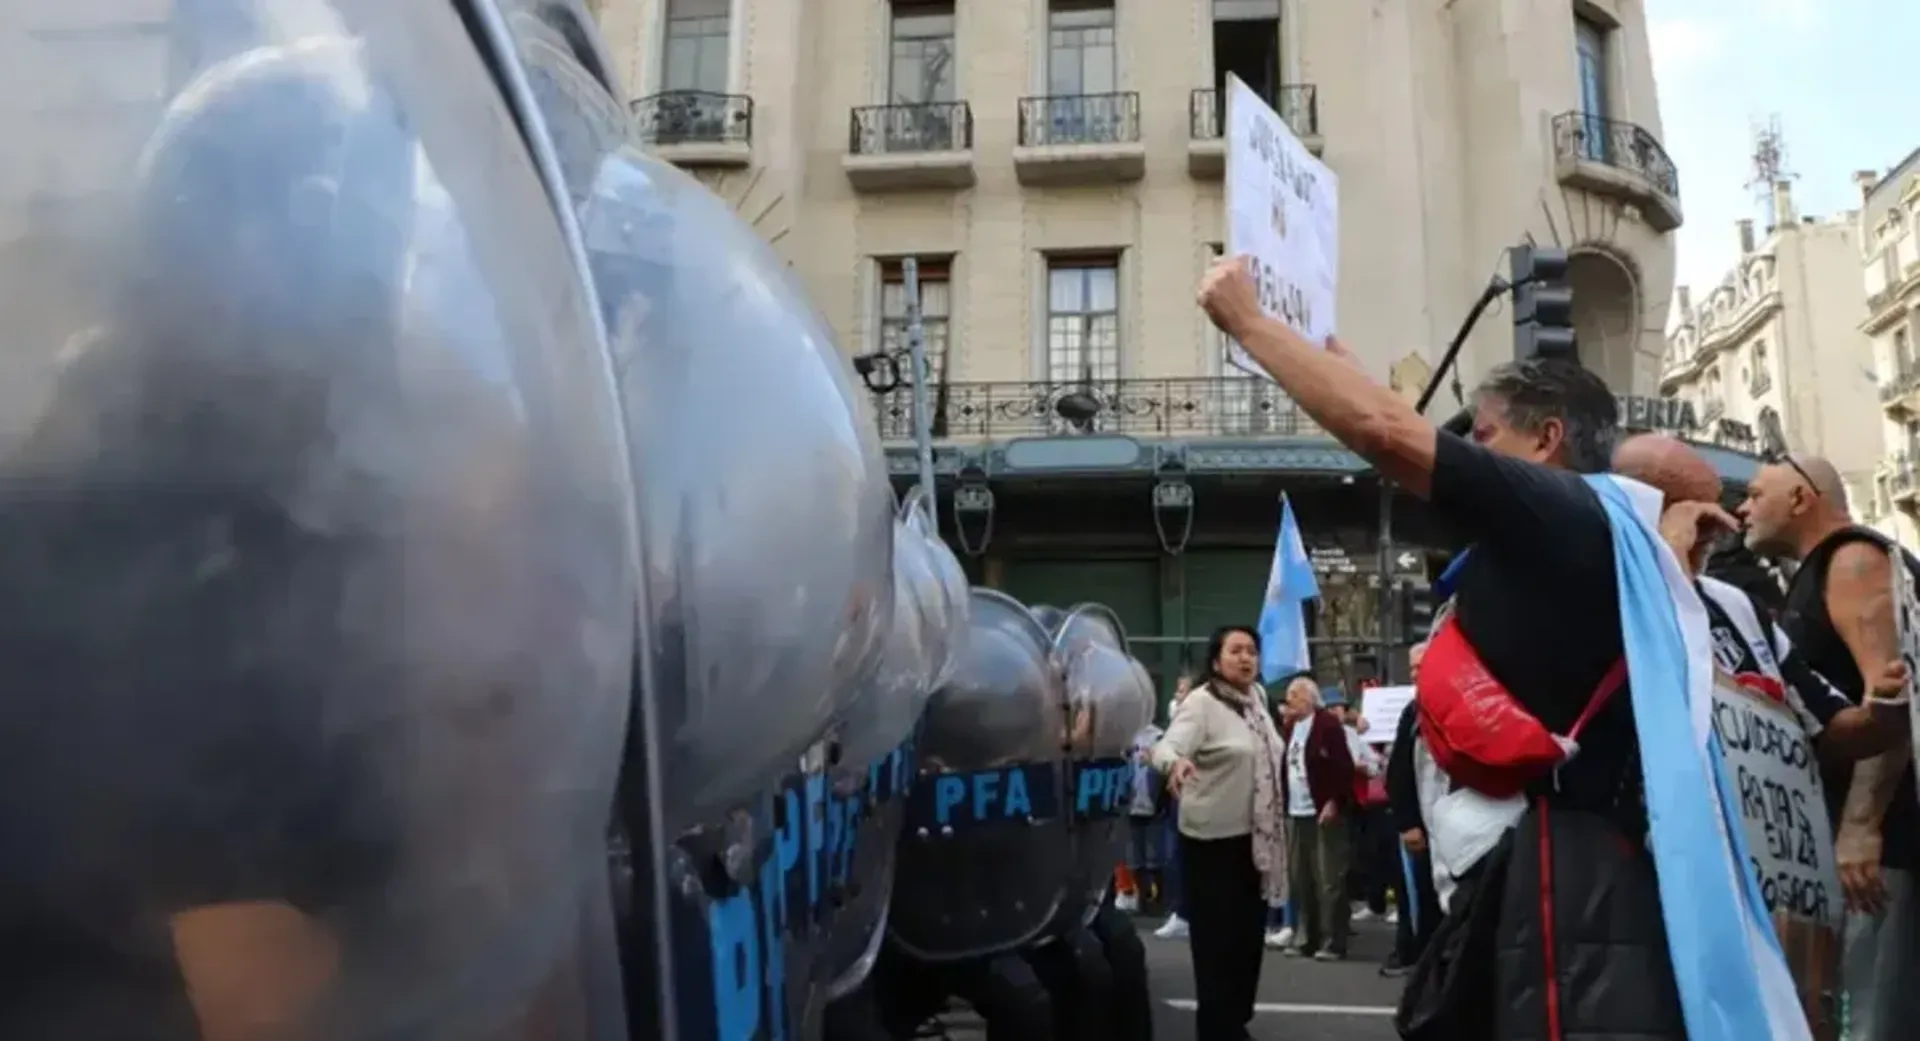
{"x": 1590, "y": 46}
{"x": 1080, "y": 48}
{"x": 921, "y": 60}
{"x": 936, "y": 302}
{"x": 1083, "y": 327}
{"x": 1902, "y": 354}
{"x": 697, "y": 45}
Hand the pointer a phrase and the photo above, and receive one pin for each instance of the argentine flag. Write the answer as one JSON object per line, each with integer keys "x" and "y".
{"x": 1283, "y": 619}
{"x": 1733, "y": 979}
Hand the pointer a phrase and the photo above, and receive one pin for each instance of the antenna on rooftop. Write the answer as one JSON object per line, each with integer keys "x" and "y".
{"x": 1769, "y": 165}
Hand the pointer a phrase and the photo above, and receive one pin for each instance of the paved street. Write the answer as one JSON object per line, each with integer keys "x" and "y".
{"x": 1300, "y": 1000}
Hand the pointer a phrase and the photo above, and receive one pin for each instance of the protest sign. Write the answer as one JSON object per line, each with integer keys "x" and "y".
{"x": 1906, "y": 608}
{"x": 1381, "y": 708}
{"x": 1282, "y": 211}
{"x": 1775, "y": 774}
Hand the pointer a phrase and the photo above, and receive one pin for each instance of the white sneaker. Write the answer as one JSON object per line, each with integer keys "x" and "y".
{"x": 1393, "y": 917}
{"x": 1175, "y": 928}
{"x": 1362, "y": 913}
{"x": 1280, "y": 939}
{"x": 1126, "y": 902}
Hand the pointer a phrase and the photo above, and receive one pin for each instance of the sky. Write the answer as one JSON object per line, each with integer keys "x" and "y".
{"x": 1840, "y": 74}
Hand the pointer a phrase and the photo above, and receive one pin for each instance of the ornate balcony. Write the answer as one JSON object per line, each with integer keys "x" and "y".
{"x": 1902, "y": 482}
{"x": 1080, "y": 139}
{"x": 1619, "y": 159}
{"x": 696, "y": 127}
{"x": 1218, "y": 407}
{"x": 904, "y": 147}
{"x": 1900, "y": 390}
{"x": 1298, "y": 104}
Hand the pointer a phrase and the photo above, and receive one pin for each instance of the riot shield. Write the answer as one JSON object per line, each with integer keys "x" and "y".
{"x": 1110, "y": 699}
{"x": 318, "y": 563}
{"x": 942, "y": 586}
{"x": 765, "y": 508}
{"x": 767, "y": 538}
{"x": 986, "y": 857}
{"x": 877, "y": 743}
{"x": 1049, "y": 617}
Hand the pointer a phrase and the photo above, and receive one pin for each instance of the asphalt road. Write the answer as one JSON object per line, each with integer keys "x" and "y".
{"x": 1300, "y": 999}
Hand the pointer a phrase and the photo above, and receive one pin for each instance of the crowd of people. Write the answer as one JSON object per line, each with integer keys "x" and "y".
{"x": 1572, "y": 854}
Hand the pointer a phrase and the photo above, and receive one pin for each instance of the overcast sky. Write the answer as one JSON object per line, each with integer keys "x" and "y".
{"x": 1843, "y": 76}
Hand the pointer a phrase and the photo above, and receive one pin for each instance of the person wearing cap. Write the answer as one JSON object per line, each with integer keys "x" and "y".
{"x": 1317, "y": 790}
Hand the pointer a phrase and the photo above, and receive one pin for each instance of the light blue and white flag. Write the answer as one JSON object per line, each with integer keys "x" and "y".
{"x": 1733, "y": 979}
{"x": 1283, "y": 620}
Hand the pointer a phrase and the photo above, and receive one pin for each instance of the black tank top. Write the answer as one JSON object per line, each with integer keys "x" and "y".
{"x": 1810, "y": 627}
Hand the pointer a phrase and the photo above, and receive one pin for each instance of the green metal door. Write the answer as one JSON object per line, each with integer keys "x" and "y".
{"x": 1224, "y": 587}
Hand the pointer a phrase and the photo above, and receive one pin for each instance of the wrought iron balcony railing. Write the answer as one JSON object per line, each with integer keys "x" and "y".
{"x": 1298, "y": 104}
{"x": 1621, "y": 145}
{"x": 1080, "y": 119}
{"x": 1225, "y": 406}
{"x": 941, "y": 126}
{"x": 693, "y": 117}
{"x": 1903, "y": 380}
{"x": 1900, "y": 476}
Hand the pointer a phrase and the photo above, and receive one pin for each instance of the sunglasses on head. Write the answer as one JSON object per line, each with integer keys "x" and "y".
{"x": 1786, "y": 459}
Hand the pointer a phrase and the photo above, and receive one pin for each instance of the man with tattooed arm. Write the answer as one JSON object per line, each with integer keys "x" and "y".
{"x": 1840, "y": 614}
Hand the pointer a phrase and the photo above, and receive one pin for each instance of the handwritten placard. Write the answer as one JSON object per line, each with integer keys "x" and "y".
{"x": 1283, "y": 211}
{"x": 1775, "y": 775}
{"x": 1906, "y": 607}
{"x": 1381, "y": 708}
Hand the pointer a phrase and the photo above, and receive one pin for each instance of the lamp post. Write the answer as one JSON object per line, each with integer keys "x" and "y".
{"x": 880, "y": 371}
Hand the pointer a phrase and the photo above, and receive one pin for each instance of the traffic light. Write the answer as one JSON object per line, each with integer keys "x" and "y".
{"x": 1416, "y": 611}
{"x": 1542, "y": 304}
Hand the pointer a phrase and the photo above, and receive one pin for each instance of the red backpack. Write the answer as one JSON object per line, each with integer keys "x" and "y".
{"x": 1477, "y": 731}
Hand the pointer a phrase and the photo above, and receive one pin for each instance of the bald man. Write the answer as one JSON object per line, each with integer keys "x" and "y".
{"x": 1671, "y": 466}
{"x": 1840, "y": 613}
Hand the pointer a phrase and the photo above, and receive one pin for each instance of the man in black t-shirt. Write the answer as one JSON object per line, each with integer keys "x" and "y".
{"x": 1840, "y": 613}
{"x": 1538, "y": 601}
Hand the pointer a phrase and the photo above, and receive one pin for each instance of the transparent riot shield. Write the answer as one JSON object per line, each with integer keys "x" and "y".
{"x": 317, "y": 535}
{"x": 1049, "y": 617}
{"x": 878, "y": 746}
{"x": 1110, "y": 699}
{"x": 942, "y": 587}
{"x": 987, "y": 856}
{"x": 768, "y": 542}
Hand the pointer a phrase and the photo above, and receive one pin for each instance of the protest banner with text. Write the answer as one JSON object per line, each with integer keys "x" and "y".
{"x": 1283, "y": 211}
{"x": 1906, "y": 607}
{"x": 1775, "y": 773}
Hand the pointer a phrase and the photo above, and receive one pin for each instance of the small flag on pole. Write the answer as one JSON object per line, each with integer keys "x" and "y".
{"x": 1283, "y": 620}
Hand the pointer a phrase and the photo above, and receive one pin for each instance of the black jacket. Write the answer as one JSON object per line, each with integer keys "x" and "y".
{"x": 1403, "y": 793}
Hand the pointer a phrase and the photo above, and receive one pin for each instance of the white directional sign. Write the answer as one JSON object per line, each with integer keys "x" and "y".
{"x": 1283, "y": 211}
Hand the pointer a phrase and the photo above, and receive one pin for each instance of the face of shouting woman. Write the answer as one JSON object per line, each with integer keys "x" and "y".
{"x": 1239, "y": 661}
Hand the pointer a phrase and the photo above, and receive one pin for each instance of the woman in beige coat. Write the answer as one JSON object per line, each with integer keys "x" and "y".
{"x": 1222, "y": 757}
